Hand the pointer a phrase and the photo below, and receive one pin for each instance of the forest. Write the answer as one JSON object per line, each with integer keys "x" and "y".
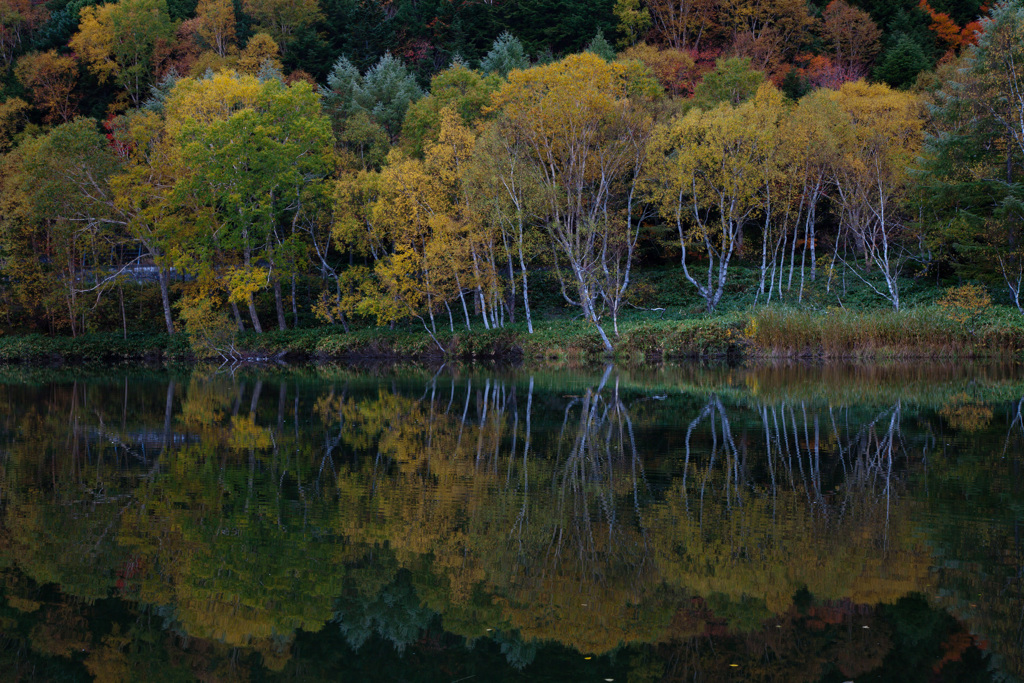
{"x": 219, "y": 168}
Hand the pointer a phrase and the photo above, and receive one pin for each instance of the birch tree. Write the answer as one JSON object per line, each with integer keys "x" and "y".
{"x": 879, "y": 140}
{"x": 579, "y": 127}
{"x": 706, "y": 173}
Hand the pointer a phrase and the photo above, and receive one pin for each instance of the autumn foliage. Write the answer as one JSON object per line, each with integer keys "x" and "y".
{"x": 255, "y": 176}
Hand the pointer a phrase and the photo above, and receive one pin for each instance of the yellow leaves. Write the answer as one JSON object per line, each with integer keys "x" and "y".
{"x": 117, "y": 40}
{"x": 199, "y": 102}
{"x": 208, "y": 328}
{"x": 353, "y": 283}
{"x": 885, "y": 124}
{"x": 966, "y": 305}
{"x": 23, "y": 604}
{"x": 563, "y": 102}
{"x": 408, "y": 198}
{"x": 142, "y": 190}
{"x": 243, "y": 283}
{"x": 454, "y": 146}
{"x": 204, "y": 404}
{"x": 716, "y": 159}
{"x": 354, "y": 198}
{"x": 832, "y": 563}
{"x": 424, "y": 212}
{"x": 216, "y": 24}
{"x": 769, "y": 98}
{"x": 94, "y": 40}
{"x": 261, "y": 49}
{"x": 247, "y": 435}
{"x": 634, "y": 20}
{"x": 399, "y": 293}
{"x": 966, "y": 414}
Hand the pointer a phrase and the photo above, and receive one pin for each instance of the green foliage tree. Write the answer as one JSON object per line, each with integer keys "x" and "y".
{"x": 733, "y": 81}
{"x": 253, "y": 156}
{"x": 634, "y": 21}
{"x": 971, "y": 180}
{"x": 458, "y": 87}
{"x": 55, "y": 221}
{"x": 282, "y": 19}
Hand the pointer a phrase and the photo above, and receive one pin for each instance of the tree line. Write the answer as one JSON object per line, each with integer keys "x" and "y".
{"x": 236, "y": 180}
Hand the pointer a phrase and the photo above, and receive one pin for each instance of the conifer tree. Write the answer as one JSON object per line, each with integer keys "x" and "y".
{"x": 601, "y": 47}
{"x": 506, "y": 54}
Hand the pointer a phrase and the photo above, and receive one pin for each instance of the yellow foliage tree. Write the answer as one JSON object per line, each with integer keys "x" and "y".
{"x": 50, "y": 79}
{"x": 216, "y": 24}
{"x": 707, "y": 172}
{"x": 261, "y": 49}
{"x": 877, "y": 142}
{"x": 576, "y": 123}
{"x": 116, "y": 41}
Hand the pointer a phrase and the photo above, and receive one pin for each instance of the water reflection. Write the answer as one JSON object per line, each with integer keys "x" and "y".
{"x": 687, "y": 524}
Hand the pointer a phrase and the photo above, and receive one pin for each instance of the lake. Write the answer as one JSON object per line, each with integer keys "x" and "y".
{"x": 469, "y": 523}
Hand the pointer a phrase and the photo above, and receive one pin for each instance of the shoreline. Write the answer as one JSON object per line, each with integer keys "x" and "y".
{"x": 761, "y": 335}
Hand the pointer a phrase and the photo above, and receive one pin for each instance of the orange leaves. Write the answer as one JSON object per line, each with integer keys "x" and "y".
{"x": 947, "y": 31}
{"x": 767, "y": 31}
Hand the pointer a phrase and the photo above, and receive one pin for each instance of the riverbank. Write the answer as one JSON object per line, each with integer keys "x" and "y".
{"x": 926, "y": 332}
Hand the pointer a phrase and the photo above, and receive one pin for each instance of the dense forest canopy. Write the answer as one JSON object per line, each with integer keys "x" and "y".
{"x": 386, "y": 161}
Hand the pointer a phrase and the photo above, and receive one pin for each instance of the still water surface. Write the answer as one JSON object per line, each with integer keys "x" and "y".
{"x": 469, "y": 524}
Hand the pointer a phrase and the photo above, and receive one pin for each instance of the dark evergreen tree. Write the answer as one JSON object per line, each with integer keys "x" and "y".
{"x": 901, "y": 63}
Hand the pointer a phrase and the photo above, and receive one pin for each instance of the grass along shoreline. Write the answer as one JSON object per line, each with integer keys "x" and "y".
{"x": 925, "y": 332}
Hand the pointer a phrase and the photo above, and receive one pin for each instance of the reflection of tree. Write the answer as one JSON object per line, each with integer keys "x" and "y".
{"x": 976, "y": 496}
{"x": 244, "y": 509}
{"x": 963, "y": 413}
{"x": 394, "y": 613}
{"x": 758, "y": 537}
{"x": 578, "y": 560}
{"x": 1015, "y": 431}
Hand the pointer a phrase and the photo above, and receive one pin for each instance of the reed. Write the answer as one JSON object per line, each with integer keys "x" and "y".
{"x": 925, "y": 332}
